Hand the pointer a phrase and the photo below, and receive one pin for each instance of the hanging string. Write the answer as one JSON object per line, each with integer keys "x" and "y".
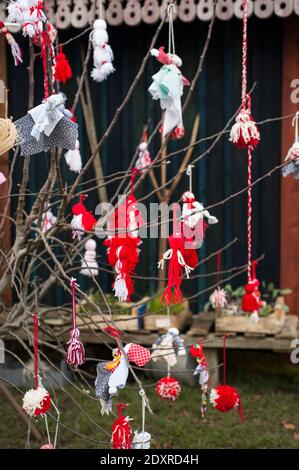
{"x": 168, "y": 370}
{"x": 244, "y": 54}
{"x": 249, "y": 213}
{"x": 35, "y": 323}
{"x": 73, "y": 284}
{"x": 170, "y": 10}
{"x": 134, "y": 173}
{"x": 218, "y": 257}
{"x": 224, "y": 359}
{"x": 143, "y": 406}
{"x": 189, "y": 173}
{"x": 101, "y": 10}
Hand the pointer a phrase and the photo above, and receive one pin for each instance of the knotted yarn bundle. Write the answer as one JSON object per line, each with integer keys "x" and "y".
{"x": 244, "y": 132}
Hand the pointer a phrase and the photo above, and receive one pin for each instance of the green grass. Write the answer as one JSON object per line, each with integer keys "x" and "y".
{"x": 268, "y": 385}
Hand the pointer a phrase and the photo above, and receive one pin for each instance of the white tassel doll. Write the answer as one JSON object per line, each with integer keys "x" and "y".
{"x": 73, "y": 158}
{"x": 89, "y": 266}
{"x": 103, "y": 54}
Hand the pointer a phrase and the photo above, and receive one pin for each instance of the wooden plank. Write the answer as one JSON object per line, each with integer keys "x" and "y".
{"x": 270, "y": 325}
{"x": 290, "y": 329}
{"x": 202, "y": 324}
{"x": 289, "y": 214}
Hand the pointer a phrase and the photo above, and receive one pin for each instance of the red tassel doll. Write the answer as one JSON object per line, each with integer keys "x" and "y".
{"x": 82, "y": 219}
{"x": 173, "y": 293}
{"x": 121, "y": 430}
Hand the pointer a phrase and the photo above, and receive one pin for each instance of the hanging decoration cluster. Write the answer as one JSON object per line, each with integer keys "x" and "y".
{"x": 123, "y": 243}
{"x": 245, "y": 135}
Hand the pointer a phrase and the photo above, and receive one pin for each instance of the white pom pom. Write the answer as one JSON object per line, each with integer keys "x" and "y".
{"x": 100, "y": 55}
{"x": 73, "y": 158}
{"x": 107, "y": 69}
{"x": 15, "y": 14}
{"x": 100, "y": 24}
{"x": 143, "y": 146}
{"x": 32, "y": 400}
{"x": 99, "y": 37}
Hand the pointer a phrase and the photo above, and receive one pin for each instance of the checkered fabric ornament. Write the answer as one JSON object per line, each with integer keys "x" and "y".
{"x": 139, "y": 355}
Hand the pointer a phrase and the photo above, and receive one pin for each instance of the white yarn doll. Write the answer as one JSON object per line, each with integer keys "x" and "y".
{"x": 103, "y": 54}
{"x": 89, "y": 265}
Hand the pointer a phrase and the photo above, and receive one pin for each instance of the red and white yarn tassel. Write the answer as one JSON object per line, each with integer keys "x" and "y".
{"x": 172, "y": 293}
{"x": 75, "y": 352}
{"x": 15, "y": 48}
{"x": 121, "y": 430}
{"x": 37, "y": 401}
{"x": 244, "y": 133}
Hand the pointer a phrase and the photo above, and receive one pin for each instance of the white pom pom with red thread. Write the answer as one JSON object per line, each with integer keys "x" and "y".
{"x": 103, "y": 54}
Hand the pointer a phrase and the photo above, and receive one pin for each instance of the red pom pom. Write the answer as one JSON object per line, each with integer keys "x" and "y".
{"x": 63, "y": 71}
{"x": 168, "y": 388}
{"x": 225, "y": 398}
{"x": 88, "y": 221}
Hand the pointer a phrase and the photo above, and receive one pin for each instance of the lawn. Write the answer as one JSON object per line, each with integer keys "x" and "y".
{"x": 269, "y": 388}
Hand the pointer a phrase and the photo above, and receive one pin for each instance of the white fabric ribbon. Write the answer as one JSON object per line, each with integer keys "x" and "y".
{"x": 47, "y": 115}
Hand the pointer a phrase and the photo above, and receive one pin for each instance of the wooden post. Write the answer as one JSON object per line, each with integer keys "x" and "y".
{"x": 5, "y": 238}
{"x": 289, "y": 244}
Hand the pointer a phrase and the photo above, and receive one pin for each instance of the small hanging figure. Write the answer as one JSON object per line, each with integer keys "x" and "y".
{"x": 112, "y": 375}
{"x": 30, "y": 14}
{"x": 46, "y": 126}
{"x": 292, "y": 167}
{"x": 225, "y": 398}
{"x": 173, "y": 293}
{"x": 48, "y": 220}
{"x": 82, "y": 220}
{"x": 103, "y": 54}
{"x": 144, "y": 158}
{"x": 201, "y": 370}
{"x": 15, "y": 48}
{"x": 121, "y": 430}
{"x": 168, "y": 84}
{"x": 251, "y": 300}
{"x": 89, "y": 265}
{"x": 168, "y": 346}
